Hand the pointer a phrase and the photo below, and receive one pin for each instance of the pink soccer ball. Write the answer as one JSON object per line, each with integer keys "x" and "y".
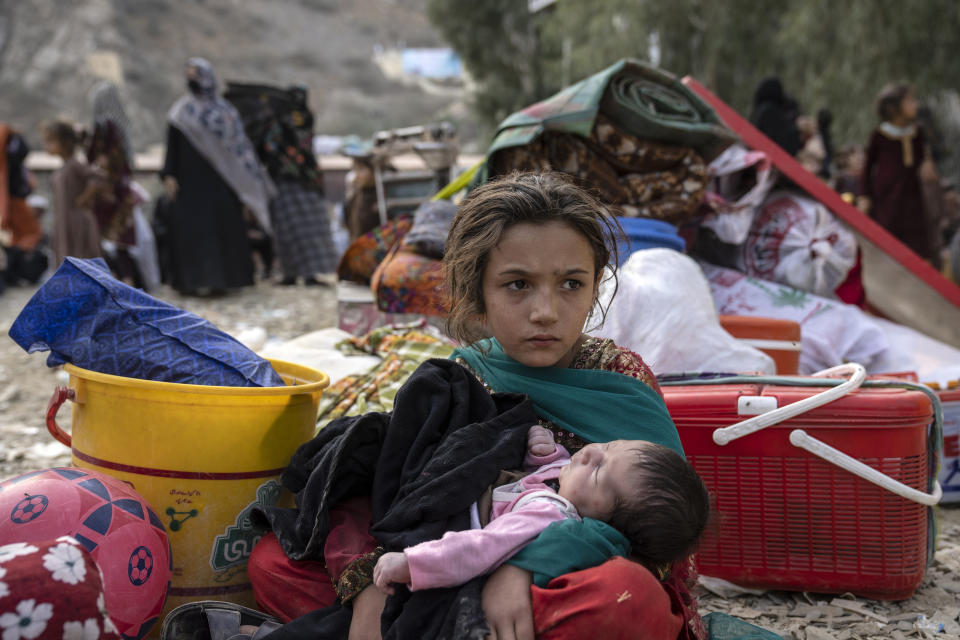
{"x": 115, "y": 524}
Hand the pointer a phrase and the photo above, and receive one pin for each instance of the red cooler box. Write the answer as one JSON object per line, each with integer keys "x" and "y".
{"x": 787, "y": 519}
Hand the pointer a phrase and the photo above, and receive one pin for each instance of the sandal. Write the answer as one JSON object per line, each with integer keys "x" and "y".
{"x": 212, "y": 620}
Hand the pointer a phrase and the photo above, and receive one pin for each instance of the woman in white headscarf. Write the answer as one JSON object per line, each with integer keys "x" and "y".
{"x": 211, "y": 173}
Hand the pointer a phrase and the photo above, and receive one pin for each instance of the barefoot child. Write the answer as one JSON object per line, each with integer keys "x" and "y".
{"x": 648, "y": 492}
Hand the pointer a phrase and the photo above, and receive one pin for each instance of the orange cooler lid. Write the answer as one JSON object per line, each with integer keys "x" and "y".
{"x": 759, "y": 327}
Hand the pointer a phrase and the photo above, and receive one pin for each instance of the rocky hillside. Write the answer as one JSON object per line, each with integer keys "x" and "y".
{"x": 53, "y": 51}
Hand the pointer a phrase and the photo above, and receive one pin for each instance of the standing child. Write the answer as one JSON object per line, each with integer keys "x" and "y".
{"x": 646, "y": 491}
{"x": 74, "y": 227}
{"x": 896, "y": 162}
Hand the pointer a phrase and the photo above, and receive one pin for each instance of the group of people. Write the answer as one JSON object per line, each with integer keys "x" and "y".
{"x": 96, "y": 202}
{"x": 225, "y": 197}
{"x": 894, "y": 179}
{"x": 225, "y": 191}
{"x": 533, "y": 485}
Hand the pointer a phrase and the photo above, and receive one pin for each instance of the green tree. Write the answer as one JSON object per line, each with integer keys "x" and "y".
{"x": 829, "y": 54}
{"x": 499, "y": 44}
{"x": 841, "y": 53}
{"x": 719, "y": 43}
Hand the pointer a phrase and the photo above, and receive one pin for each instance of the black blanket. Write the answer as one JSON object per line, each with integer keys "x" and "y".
{"x": 423, "y": 466}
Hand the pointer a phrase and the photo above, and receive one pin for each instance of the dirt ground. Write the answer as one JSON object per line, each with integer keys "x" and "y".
{"x": 26, "y": 385}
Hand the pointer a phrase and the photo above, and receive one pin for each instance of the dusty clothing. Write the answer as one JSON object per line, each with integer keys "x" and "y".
{"x": 206, "y": 234}
{"x": 75, "y": 230}
{"x": 891, "y": 181}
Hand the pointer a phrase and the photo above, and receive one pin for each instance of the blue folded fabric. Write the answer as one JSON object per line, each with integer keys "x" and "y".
{"x": 86, "y": 317}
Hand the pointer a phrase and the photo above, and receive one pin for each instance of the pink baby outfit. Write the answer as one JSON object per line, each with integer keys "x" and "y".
{"x": 520, "y": 511}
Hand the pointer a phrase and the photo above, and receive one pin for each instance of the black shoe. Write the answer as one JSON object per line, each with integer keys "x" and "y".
{"x": 311, "y": 281}
{"x": 207, "y": 620}
{"x": 288, "y": 281}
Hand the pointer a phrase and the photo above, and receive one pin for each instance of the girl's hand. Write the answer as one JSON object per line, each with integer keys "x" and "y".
{"x": 507, "y": 605}
{"x": 391, "y": 567}
{"x": 540, "y": 441}
{"x": 367, "y": 608}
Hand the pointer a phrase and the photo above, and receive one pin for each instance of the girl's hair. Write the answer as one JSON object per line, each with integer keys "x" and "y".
{"x": 64, "y": 133}
{"x": 491, "y": 209}
{"x": 889, "y": 99}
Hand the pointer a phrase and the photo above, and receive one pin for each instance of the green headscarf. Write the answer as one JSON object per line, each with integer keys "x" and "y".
{"x": 598, "y": 406}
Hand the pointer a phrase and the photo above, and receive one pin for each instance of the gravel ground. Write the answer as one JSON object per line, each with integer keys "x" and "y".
{"x": 285, "y": 312}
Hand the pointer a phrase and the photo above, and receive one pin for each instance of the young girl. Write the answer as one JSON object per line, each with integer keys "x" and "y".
{"x": 74, "y": 228}
{"x": 523, "y": 264}
{"x": 648, "y": 493}
{"x": 896, "y": 162}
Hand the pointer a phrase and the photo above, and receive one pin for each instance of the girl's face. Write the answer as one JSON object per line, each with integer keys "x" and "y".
{"x": 538, "y": 288}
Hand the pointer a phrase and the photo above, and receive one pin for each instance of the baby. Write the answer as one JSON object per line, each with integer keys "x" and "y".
{"x": 648, "y": 492}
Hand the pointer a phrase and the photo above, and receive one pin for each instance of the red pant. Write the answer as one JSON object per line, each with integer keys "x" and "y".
{"x": 618, "y": 599}
{"x": 287, "y": 588}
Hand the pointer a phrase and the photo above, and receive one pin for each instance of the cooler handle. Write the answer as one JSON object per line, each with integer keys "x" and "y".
{"x": 60, "y": 395}
{"x": 800, "y": 438}
{"x": 857, "y": 373}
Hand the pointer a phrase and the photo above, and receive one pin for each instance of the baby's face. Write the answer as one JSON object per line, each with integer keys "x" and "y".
{"x": 598, "y": 475}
